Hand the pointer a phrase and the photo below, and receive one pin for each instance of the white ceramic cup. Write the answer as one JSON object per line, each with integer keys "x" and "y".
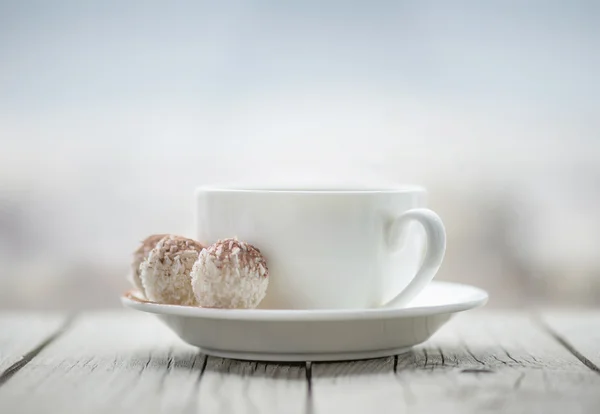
{"x": 331, "y": 249}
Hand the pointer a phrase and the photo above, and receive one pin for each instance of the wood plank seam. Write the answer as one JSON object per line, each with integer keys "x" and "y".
{"x": 566, "y": 344}
{"x": 409, "y": 397}
{"x": 310, "y": 407}
{"x": 8, "y": 373}
{"x": 308, "y": 373}
{"x": 191, "y": 405}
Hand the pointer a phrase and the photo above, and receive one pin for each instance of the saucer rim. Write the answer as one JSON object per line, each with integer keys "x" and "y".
{"x": 302, "y": 315}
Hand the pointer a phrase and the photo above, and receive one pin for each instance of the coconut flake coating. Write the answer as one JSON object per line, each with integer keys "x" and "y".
{"x": 165, "y": 273}
{"x": 230, "y": 274}
{"x": 139, "y": 256}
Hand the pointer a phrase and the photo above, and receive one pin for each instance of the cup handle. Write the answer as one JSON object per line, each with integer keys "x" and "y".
{"x": 436, "y": 248}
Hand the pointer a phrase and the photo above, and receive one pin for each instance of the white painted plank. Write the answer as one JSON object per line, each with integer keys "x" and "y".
{"x": 479, "y": 362}
{"x": 107, "y": 363}
{"x": 253, "y": 387}
{"x": 579, "y": 331}
{"x": 368, "y": 386}
{"x": 524, "y": 369}
{"x": 21, "y": 333}
{"x": 130, "y": 363}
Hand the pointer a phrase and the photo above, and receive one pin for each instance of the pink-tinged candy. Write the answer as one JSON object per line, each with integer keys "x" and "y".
{"x": 165, "y": 273}
{"x": 139, "y": 256}
{"x": 230, "y": 274}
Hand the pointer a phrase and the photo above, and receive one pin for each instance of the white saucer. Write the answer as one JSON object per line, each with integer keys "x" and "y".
{"x": 315, "y": 335}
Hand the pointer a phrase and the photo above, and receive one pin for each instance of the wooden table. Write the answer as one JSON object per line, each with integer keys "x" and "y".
{"x": 124, "y": 362}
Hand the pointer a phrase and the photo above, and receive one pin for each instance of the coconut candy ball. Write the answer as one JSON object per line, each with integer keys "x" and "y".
{"x": 139, "y": 256}
{"x": 230, "y": 274}
{"x": 165, "y": 273}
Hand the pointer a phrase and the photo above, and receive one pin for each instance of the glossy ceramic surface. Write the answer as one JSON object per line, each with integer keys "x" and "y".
{"x": 315, "y": 335}
{"x": 331, "y": 249}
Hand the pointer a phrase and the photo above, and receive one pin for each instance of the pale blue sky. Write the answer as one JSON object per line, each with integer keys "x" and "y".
{"x": 514, "y": 54}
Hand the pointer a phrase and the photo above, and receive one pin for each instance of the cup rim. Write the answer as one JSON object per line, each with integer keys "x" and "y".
{"x": 225, "y": 188}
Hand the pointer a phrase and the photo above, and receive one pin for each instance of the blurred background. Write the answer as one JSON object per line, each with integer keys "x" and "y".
{"x": 112, "y": 112}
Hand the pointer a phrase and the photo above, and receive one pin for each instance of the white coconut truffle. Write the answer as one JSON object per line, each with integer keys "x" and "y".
{"x": 138, "y": 257}
{"x": 230, "y": 274}
{"x": 165, "y": 273}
